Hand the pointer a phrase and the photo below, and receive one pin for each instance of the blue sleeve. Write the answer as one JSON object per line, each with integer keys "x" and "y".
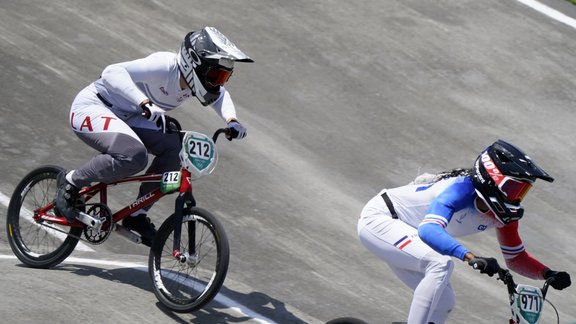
{"x": 432, "y": 229}
{"x": 440, "y": 241}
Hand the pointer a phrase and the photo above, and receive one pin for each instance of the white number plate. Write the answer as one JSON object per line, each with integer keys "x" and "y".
{"x": 198, "y": 154}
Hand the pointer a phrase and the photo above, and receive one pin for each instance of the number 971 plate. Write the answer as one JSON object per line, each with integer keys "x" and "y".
{"x": 528, "y": 303}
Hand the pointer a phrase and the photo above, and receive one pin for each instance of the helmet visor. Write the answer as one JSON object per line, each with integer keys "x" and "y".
{"x": 217, "y": 76}
{"x": 513, "y": 189}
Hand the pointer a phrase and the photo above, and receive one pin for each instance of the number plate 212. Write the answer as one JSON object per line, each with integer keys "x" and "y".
{"x": 198, "y": 154}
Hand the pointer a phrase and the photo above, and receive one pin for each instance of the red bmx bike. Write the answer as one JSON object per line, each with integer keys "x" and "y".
{"x": 189, "y": 257}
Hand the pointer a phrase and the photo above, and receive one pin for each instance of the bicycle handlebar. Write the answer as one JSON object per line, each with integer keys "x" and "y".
{"x": 173, "y": 126}
{"x": 217, "y": 133}
{"x": 225, "y": 131}
{"x": 506, "y": 277}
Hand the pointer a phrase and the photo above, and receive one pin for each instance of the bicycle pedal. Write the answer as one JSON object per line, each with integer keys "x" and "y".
{"x": 128, "y": 234}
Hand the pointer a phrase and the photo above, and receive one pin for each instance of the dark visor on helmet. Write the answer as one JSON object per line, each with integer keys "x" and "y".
{"x": 217, "y": 76}
{"x": 514, "y": 190}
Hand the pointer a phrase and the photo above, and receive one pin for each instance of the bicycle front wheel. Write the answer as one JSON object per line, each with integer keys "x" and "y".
{"x": 186, "y": 284}
{"x": 38, "y": 244}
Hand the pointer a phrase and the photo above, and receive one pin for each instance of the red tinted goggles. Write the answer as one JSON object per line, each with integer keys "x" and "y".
{"x": 514, "y": 190}
{"x": 217, "y": 76}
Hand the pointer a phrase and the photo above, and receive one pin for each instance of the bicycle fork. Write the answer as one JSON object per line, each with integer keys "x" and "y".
{"x": 184, "y": 198}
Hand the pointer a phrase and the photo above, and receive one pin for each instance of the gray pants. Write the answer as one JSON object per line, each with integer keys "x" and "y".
{"x": 123, "y": 141}
{"x": 123, "y": 155}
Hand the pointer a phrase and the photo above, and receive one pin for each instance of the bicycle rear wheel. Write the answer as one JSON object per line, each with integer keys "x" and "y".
{"x": 38, "y": 244}
{"x": 186, "y": 286}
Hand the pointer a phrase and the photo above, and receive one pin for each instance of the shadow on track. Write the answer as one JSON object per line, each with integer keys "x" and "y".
{"x": 215, "y": 312}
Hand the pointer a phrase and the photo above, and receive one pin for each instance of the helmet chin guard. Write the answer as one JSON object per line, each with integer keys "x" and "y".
{"x": 503, "y": 212}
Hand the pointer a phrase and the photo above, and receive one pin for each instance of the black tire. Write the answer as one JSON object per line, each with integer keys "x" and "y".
{"x": 186, "y": 287}
{"x": 36, "y": 245}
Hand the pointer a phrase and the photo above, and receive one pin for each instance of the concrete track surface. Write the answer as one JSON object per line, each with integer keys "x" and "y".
{"x": 345, "y": 98}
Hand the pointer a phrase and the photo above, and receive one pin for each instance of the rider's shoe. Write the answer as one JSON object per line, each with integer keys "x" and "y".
{"x": 142, "y": 225}
{"x": 66, "y": 197}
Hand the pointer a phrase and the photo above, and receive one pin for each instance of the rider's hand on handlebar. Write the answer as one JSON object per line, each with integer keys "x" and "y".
{"x": 560, "y": 279}
{"x": 488, "y": 266}
{"x": 237, "y": 130}
{"x": 154, "y": 114}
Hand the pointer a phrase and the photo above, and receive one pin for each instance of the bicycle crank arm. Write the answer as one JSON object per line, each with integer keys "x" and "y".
{"x": 126, "y": 233}
{"x": 96, "y": 224}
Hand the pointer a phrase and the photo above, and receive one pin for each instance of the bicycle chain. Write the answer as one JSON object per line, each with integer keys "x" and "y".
{"x": 64, "y": 232}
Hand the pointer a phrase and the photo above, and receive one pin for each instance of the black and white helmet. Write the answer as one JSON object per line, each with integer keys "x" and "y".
{"x": 502, "y": 176}
{"x": 206, "y": 60}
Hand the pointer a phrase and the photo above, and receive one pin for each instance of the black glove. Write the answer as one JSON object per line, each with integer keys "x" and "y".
{"x": 560, "y": 279}
{"x": 154, "y": 114}
{"x": 488, "y": 266}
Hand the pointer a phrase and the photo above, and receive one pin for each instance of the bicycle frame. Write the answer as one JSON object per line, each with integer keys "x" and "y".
{"x": 101, "y": 189}
{"x": 185, "y": 196}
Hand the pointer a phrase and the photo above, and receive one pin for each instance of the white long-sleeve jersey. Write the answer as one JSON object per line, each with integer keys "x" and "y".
{"x": 156, "y": 77}
{"x": 446, "y": 209}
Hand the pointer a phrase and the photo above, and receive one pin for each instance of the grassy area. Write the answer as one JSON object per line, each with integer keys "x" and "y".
{"x": 572, "y": 1}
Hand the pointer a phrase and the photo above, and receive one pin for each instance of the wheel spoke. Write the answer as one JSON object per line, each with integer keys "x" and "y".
{"x": 36, "y": 244}
{"x": 188, "y": 285}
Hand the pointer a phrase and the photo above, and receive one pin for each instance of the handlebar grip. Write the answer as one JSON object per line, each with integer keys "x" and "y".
{"x": 225, "y": 131}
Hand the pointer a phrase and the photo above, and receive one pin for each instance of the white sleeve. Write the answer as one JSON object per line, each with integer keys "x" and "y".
{"x": 224, "y": 106}
{"x": 117, "y": 79}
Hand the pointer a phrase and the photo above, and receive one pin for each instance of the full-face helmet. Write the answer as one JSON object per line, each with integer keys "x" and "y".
{"x": 206, "y": 61}
{"x": 502, "y": 176}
